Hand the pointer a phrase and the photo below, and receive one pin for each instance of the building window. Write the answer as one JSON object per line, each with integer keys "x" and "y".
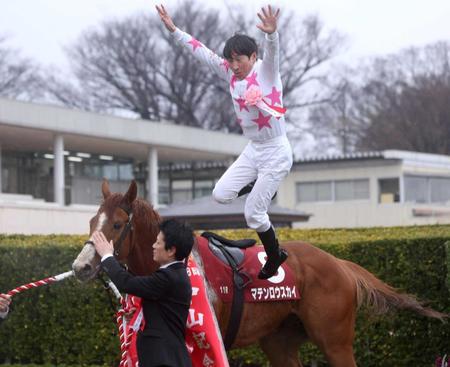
{"x": 352, "y": 190}
{"x": 416, "y": 190}
{"x": 111, "y": 172}
{"x": 181, "y": 191}
{"x": 126, "y": 171}
{"x": 164, "y": 190}
{"x": 333, "y": 190}
{"x": 389, "y": 190}
{"x": 423, "y": 189}
{"x": 314, "y": 191}
{"x": 203, "y": 188}
{"x": 440, "y": 190}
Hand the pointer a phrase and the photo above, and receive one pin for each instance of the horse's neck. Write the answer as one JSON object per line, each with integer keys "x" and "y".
{"x": 145, "y": 229}
{"x": 140, "y": 260}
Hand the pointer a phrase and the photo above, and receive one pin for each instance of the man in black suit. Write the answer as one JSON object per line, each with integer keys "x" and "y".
{"x": 166, "y": 294}
{"x": 5, "y": 300}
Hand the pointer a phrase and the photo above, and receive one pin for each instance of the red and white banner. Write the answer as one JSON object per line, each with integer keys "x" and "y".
{"x": 203, "y": 335}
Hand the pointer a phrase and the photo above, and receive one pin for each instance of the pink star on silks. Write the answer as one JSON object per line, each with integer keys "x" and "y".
{"x": 275, "y": 96}
{"x": 251, "y": 80}
{"x": 233, "y": 80}
{"x": 226, "y": 65}
{"x": 195, "y": 44}
{"x": 241, "y": 103}
{"x": 262, "y": 121}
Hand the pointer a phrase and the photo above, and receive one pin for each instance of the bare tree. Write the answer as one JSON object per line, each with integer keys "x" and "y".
{"x": 403, "y": 103}
{"x": 19, "y": 77}
{"x": 113, "y": 69}
{"x": 394, "y": 102}
{"x": 332, "y": 123}
{"x": 134, "y": 65}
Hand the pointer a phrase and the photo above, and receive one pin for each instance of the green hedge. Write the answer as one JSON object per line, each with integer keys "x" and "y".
{"x": 65, "y": 323}
{"x": 72, "y": 324}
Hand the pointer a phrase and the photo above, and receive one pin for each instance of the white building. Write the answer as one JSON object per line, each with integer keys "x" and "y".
{"x": 388, "y": 188}
{"x": 53, "y": 159}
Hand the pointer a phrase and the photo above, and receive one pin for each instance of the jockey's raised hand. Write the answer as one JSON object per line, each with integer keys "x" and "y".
{"x": 165, "y": 17}
{"x": 268, "y": 19}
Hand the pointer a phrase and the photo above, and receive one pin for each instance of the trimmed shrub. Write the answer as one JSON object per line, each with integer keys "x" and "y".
{"x": 73, "y": 324}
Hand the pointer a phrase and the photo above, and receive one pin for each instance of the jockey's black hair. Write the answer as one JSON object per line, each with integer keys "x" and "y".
{"x": 178, "y": 235}
{"x": 240, "y": 44}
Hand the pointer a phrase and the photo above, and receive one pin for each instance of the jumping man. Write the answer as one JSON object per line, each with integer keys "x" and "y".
{"x": 256, "y": 91}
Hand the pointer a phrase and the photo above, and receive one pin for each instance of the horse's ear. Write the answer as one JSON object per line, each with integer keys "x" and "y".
{"x": 105, "y": 189}
{"x": 131, "y": 194}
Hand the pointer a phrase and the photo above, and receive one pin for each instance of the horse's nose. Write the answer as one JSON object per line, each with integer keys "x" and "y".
{"x": 82, "y": 270}
{"x": 87, "y": 268}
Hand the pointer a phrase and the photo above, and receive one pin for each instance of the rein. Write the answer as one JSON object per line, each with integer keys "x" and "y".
{"x": 40, "y": 283}
{"x": 127, "y": 305}
{"x": 123, "y": 235}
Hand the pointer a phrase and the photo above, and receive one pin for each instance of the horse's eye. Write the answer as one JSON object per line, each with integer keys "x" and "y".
{"x": 117, "y": 225}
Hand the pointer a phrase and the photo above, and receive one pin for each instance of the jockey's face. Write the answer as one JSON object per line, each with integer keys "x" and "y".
{"x": 160, "y": 254}
{"x": 241, "y": 65}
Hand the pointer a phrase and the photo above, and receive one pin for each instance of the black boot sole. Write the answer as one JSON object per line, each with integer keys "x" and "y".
{"x": 266, "y": 273}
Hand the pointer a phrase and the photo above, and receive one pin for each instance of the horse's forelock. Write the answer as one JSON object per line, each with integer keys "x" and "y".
{"x": 111, "y": 202}
{"x": 144, "y": 214}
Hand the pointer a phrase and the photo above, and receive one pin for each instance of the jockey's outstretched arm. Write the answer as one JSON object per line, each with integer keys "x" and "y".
{"x": 270, "y": 64}
{"x": 207, "y": 57}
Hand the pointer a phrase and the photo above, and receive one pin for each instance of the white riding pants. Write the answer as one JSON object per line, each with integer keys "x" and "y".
{"x": 269, "y": 162}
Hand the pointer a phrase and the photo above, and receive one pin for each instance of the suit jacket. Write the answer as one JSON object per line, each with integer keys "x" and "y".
{"x": 166, "y": 298}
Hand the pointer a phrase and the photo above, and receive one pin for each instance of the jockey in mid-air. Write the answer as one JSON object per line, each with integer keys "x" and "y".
{"x": 256, "y": 90}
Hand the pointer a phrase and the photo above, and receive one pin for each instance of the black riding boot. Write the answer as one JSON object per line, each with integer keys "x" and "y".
{"x": 248, "y": 188}
{"x": 275, "y": 255}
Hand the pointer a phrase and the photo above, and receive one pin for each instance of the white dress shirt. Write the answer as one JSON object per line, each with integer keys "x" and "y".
{"x": 4, "y": 314}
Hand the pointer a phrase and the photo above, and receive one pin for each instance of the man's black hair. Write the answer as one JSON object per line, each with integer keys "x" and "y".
{"x": 240, "y": 44}
{"x": 178, "y": 235}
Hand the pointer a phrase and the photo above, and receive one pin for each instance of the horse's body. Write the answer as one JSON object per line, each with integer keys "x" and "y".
{"x": 331, "y": 289}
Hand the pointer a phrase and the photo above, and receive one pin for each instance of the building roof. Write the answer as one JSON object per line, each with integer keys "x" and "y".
{"x": 28, "y": 126}
{"x": 427, "y": 159}
{"x": 205, "y": 213}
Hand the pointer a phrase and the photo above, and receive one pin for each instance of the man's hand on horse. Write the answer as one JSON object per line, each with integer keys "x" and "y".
{"x": 165, "y": 18}
{"x": 268, "y": 19}
{"x": 5, "y": 300}
{"x": 102, "y": 246}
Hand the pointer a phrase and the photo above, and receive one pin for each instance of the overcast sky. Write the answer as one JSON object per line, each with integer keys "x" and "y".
{"x": 41, "y": 28}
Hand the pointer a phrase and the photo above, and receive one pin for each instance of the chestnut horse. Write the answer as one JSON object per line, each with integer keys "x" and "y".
{"x": 332, "y": 289}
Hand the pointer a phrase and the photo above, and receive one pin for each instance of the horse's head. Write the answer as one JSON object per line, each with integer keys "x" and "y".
{"x": 115, "y": 219}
